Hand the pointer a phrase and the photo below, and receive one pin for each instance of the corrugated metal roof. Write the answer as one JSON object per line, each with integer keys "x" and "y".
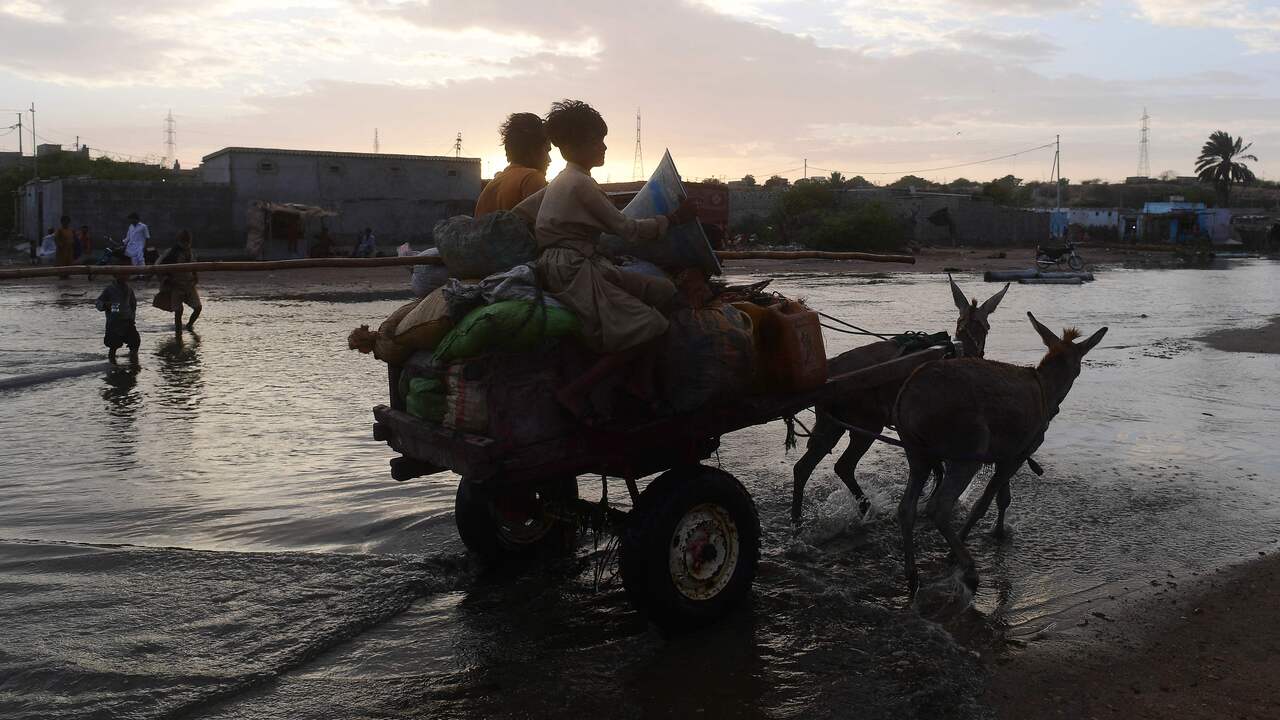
{"x": 332, "y": 154}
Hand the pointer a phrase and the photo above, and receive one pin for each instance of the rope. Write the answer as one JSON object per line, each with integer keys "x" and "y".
{"x": 791, "y": 421}
{"x": 861, "y": 331}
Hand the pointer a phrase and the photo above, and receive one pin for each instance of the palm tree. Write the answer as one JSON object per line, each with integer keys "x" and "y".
{"x": 1220, "y": 163}
{"x": 836, "y": 180}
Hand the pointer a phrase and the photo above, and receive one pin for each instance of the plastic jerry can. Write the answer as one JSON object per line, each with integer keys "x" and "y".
{"x": 799, "y": 356}
{"x": 762, "y": 377}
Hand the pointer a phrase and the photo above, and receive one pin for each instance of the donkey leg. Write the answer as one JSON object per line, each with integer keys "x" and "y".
{"x": 958, "y": 477}
{"x": 919, "y": 474}
{"x": 998, "y": 484}
{"x": 848, "y": 462}
{"x": 1002, "y": 503}
{"x": 822, "y": 440}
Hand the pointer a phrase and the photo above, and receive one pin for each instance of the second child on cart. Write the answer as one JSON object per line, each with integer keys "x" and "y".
{"x": 621, "y": 313}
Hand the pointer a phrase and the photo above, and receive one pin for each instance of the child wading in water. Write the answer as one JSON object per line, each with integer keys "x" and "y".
{"x": 621, "y": 313}
{"x": 121, "y": 307}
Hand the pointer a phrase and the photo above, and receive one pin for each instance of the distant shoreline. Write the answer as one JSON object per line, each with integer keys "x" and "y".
{"x": 1265, "y": 339}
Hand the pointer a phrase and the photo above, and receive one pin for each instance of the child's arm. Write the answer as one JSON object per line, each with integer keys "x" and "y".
{"x": 612, "y": 220}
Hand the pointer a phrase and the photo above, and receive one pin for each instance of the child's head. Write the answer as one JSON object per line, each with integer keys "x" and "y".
{"x": 578, "y": 130}
{"x": 184, "y": 238}
{"x": 66, "y": 221}
{"x": 525, "y": 141}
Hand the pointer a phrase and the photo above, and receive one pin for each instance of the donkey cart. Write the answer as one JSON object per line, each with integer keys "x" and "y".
{"x": 688, "y": 548}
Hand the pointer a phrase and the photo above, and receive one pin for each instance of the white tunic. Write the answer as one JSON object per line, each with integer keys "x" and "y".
{"x": 135, "y": 239}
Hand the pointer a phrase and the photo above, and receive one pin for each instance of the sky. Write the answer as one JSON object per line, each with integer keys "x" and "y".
{"x": 758, "y": 86}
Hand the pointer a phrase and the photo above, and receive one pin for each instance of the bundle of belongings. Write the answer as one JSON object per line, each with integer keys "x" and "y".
{"x": 484, "y": 350}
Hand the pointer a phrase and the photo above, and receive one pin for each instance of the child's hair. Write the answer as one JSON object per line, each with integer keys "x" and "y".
{"x": 184, "y": 237}
{"x": 523, "y": 138}
{"x": 572, "y": 121}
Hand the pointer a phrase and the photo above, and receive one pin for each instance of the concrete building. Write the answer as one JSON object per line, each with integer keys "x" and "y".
{"x": 166, "y": 208}
{"x": 401, "y": 197}
{"x": 12, "y": 158}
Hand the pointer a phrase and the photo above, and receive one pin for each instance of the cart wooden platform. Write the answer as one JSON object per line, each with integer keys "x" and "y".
{"x": 690, "y": 544}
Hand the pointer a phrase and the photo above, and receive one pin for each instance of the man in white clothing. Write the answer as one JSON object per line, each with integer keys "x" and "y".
{"x": 135, "y": 240}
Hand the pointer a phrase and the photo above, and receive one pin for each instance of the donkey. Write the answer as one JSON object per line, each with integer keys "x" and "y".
{"x": 968, "y": 412}
{"x": 871, "y": 411}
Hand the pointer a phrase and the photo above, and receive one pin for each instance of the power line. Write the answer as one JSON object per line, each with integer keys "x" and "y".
{"x": 952, "y": 167}
{"x": 852, "y": 173}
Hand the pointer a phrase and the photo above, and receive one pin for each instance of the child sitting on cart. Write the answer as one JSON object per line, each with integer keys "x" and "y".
{"x": 621, "y": 313}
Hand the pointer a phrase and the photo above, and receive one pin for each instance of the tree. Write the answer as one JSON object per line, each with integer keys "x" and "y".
{"x": 1007, "y": 190}
{"x": 1221, "y": 163}
{"x": 910, "y": 181}
{"x": 748, "y": 180}
{"x": 857, "y": 182}
{"x": 776, "y": 181}
{"x": 836, "y": 180}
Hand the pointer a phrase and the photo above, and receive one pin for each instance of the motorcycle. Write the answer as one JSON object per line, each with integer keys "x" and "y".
{"x": 1047, "y": 256}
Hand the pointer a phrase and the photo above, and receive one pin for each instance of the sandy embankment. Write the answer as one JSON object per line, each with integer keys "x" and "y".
{"x": 1265, "y": 339}
{"x": 1207, "y": 649}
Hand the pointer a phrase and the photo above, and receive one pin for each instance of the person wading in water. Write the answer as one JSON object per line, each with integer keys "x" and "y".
{"x": 181, "y": 286}
{"x": 621, "y": 312}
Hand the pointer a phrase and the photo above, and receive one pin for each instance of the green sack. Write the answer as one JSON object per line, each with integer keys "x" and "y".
{"x": 507, "y": 326}
{"x": 426, "y": 399}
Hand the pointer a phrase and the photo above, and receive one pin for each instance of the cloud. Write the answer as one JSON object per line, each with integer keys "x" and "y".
{"x": 1027, "y": 45}
{"x": 1256, "y": 23}
{"x": 728, "y": 92}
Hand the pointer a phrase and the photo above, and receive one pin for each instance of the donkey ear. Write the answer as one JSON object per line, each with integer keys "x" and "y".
{"x": 989, "y": 306}
{"x": 1094, "y": 339}
{"x": 962, "y": 303}
{"x": 1045, "y": 333}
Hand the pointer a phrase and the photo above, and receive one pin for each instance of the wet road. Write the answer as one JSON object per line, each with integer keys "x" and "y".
{"x": 315, "y": 586}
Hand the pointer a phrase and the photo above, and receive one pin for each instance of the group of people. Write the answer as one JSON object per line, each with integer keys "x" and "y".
{"x": 63, "y": 245}
{"x": 623, "y": 314}
{"x": 177, "y": 289}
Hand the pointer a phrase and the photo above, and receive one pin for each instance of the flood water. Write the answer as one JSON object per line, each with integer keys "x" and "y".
{"x": 215, "y": 532}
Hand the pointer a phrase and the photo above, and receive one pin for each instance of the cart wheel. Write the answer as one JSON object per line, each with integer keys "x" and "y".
{"x": 513, "y": 523}
{"x": 1075, "y": 262}
{"x": 691, "y": 546}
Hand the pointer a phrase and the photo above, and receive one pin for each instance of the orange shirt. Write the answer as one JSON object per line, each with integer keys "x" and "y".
{"x": 508, "y": 188}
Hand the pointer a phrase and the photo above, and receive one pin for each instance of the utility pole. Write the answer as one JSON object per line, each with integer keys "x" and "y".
{"x": 457, "y": 145}
{"x": 35, "y": 146}
{"x": 376, "y": 147}
{"x": 1144, "y": 162}
{"x": 170, "y": 141}
{"x": 19, "y": 136}
{"x": 637, "y": 163}
{"x": 1057, "y": 164}
{"x": 806, "y": 168}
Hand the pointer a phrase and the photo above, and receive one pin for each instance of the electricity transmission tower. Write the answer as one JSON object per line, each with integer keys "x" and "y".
{"x": 1144, "y": 161}
{"x": 170, "y": 140}
{"x": 637, "y": 164}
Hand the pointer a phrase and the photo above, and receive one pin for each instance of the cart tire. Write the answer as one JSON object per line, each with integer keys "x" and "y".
{"x": 492, "y": 536}
{"x": 1075, "y": 262}
{"x": 690, "y": 548}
